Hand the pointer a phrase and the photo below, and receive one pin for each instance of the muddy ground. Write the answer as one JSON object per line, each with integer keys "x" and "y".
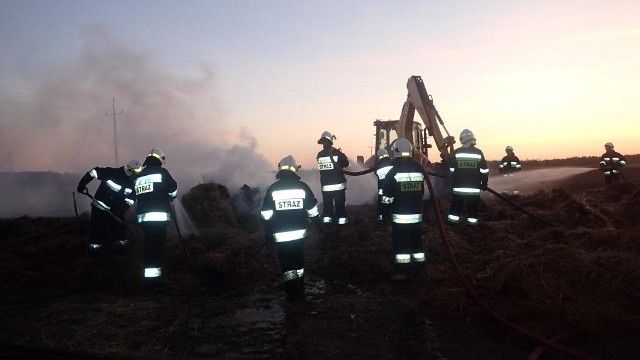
{"x": 569, "y": 267}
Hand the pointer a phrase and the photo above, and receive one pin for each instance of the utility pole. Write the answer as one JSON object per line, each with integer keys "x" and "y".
{"x": 115, "y": 132}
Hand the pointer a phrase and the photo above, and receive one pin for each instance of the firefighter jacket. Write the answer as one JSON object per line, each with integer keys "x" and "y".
{"x": 155, "y": 189}
{"x": 331, "y": 161}
{"x": 115, "y": 192}
{"x": 404, "y": 190}
{"x": 382, "y": 168}
{"x": 287, "y": 206}
{"x": 509, "y": 164}
{"x": 611, "y": 162}
{"x": 469, "y": 170}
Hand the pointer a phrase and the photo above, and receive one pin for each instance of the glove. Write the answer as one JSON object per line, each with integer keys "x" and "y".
{"x": 82, "y": 189}
{"x": 484, "y": 187}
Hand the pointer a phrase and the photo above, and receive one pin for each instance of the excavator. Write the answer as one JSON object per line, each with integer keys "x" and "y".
{"x": 388, "y": 131}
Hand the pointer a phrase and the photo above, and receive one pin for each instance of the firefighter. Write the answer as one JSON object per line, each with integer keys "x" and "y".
{"x": 333, "y": 183}
{"x": 610, "y": 163}
{"x": 470, "y": 175}
{"x": 155, "y": 190}
{"x": 509, "y": 165}
{"x": 404, "y": 190}
{"x": 112, "y": 199}
{"x": 287, "y": 206}
{"x": 382, "y": 168}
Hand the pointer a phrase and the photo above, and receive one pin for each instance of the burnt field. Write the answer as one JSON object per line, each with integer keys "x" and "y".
{"x": 564, "y": 274}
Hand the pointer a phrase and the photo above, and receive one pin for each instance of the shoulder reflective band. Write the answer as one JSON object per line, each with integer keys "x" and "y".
{"x": 468, "y": 156}
{"x": 288, "y": 194}
{"x": 149, "y": 179}
{"x": 410, "y": 176}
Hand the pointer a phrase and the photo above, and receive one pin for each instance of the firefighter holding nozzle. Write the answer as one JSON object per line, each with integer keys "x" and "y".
{"x": 155, "y": 190}
{"x": 611, "y": 162}
{"x": 509, "y": 165}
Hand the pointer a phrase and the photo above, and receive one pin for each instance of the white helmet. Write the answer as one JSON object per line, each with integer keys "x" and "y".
{"x": 382, "y": 153}
{"x": 609, "y": 145}
{"x": 403, "y": 148}
{"x": 133, "y": 167}
{"x": 288, "y": 163}
{"x": 466, "y": 135}
{"x": 508, "y": 148}
{"x": 157, "y": 153}
{"x": 326, "y": 136}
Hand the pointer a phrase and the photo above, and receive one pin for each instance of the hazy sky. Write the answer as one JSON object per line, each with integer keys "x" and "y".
{"x": 239, "y": 84}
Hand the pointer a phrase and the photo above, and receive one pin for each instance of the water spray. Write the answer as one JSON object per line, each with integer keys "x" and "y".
{"x": 184, "y": 247}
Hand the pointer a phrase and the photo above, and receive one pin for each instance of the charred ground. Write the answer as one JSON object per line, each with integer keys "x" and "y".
{"x": 223, "y": 298}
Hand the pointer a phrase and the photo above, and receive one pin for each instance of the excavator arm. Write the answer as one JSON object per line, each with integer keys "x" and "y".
{"x": 418, "y": 100}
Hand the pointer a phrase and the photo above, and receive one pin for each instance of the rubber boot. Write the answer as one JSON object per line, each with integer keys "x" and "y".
{"x": 290, "y": 287}
{"x": 300, "y": 287}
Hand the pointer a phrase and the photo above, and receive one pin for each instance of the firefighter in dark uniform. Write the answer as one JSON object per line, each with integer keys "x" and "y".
{"x": 155, "y": 189}
{"x": 333, "y": 183}
{"x": 509, "y": 165}
{"x": 112, "y": 199}
{"x": 610, "y": 163}
{"x": 383, "y": 166}
{"x": 470, "y": 176}
{"x": 287, "y": 206}
{"x": 404, "y": 190}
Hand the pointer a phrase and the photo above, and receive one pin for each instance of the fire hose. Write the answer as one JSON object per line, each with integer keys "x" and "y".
{"x": 465, "y": 283}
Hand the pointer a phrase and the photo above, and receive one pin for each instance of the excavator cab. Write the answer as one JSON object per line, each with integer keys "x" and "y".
{"x": 388, "y": 131}
{"x": 387, "y": 134}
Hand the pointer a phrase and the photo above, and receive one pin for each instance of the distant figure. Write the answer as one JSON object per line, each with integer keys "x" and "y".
{"x": 383, "y": 165}
{"x": 112, "y": 199}
{"x": 509, "y": 165}
{"x": 404, "y": 190}
{"x": 610, "y": 163}
{"x": 470, "y": 175}
{"x": 287, "y": 206}
{"x": 333, "y": 183}
{"x": 155, "y": 190}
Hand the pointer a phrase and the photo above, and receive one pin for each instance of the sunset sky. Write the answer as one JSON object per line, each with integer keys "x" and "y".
{"x": 222, "y": 85}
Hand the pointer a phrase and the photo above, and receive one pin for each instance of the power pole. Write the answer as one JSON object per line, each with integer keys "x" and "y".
{"x": 115, "y": 132}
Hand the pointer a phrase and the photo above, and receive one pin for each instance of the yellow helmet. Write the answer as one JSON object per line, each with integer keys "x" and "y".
{"x": 326, "y": 137}
{"x": 157, "y": 153}
{"x": 288, "y": 163}
{"x": 403, "y": 148}
{"x": 133, "y": 167}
